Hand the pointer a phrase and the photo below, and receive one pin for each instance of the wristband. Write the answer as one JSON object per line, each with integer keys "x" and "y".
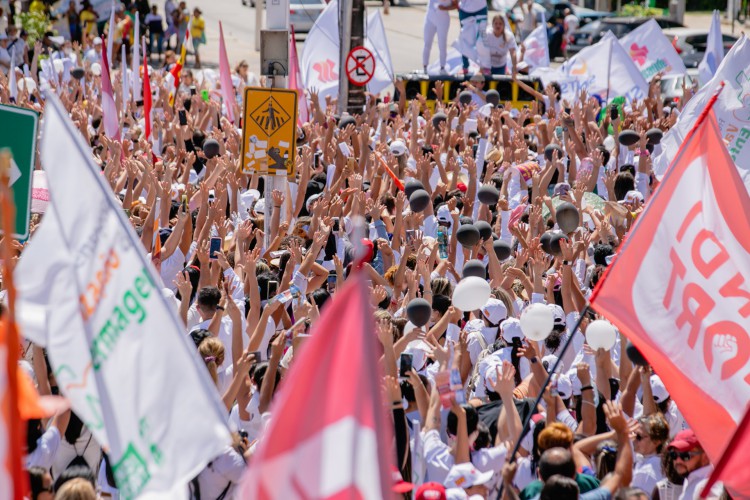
{"x": 567, "y": 263}
{"x": 219, "y": 308}
{"x": 587, "y": 388}
{"x": 534, "y": 359}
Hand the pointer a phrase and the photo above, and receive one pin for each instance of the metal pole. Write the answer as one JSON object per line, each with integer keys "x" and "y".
{"x": 356, "y": 94}
{"x": 527, "y": 422}
{"x": 258, "y": 22}
{"x": 345, "y": 24}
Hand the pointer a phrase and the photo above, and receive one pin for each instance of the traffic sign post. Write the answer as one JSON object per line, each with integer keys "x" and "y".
{"x": 269, "y": 132}
{"x": 360, "y": 66}
{"x": 18, "y": 132}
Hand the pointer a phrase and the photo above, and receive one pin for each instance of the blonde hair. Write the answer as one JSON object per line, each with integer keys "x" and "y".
{"x": 441, "y": 286}
{"x": 76, "y": 489}
{"x": 212, "y": 352}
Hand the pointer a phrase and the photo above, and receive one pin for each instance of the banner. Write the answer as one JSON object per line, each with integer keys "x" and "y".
{"x": 346, "y": 449}
{"x": 651, "y": 51}
{"x": 537, "y": 48}
{"x": 732, "y": 110}
{"x": 320, "y": 54}
{"x": 714, "y": 51}
{"x": 678, "y": 287}
{"x": 116, "y": 346}
{"x": 604, "y": 69}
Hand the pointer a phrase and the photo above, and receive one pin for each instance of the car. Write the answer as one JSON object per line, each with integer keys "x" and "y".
{"x": 691, "y": 44}
{"x": 671, "y": 86}
{"x": 302, "y": 13}
{"x": 619, "y": 26}
{"x": 583, "y": 37}
{"x": 556, "y": 10}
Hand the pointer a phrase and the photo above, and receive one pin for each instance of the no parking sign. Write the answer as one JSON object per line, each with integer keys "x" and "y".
{"x": 360, "y": 66}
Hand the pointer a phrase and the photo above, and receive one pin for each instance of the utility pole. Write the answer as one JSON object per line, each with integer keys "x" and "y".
{"x": 357, "y": 98}
{"x": 345, "y": 42}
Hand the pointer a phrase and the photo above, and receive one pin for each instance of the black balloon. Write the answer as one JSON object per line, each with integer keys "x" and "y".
{"x": 211, "y": 148}
{"x": 635, "y": 355}
{"x": 419, "y": 200}
{"x": 347, "y": 120}
{"x": 502, "y": 249}
{"x": 465, "y": 97}
{"x": 488, "y": 194}
{"x": 544, "y": 240}
{"x": 474, "y": 268}
{"x": 412, "y": 186}
{"x": 438, "y": 118}
{"x": 77, "y": 73}
{"x": 468, "y": 235}
{"x": 567, "y": 217}
{"x": 550, "y": 149}
{"x": 554, "y": 244}
{"x": 485, "y": 230}
{"x": 419, "y": 312}
{"x": 492, "y": 96}
{"x": 654, "y": 136}
{"x": 628, "y": 137}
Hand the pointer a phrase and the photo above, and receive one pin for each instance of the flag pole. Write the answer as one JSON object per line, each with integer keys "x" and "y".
{"x": 527, "y": 421}
{"x": 17, "y": 431}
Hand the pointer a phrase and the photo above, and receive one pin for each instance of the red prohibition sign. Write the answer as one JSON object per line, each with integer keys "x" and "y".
{"x": 360, "y": 66}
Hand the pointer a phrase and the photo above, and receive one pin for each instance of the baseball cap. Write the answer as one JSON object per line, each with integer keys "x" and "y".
{"x": 465, "y": 475}
{"x": 558, "y": 313}
{"x": 685, "y": 441}
{"x": 444, "y": 214}
{"x": 430, "y": 491}
{"x": 398, "y": 148}
{"x": 311, "y": 200}
{"x": 495, "y": 311}
{"x": 564, "y": 387}
{"x": 633, "y": 195}
{"x": 658, "y": 389}
{"x": 399, "y": 485}
{"x": 97, "y": 41}
{"x": 510, "y": 329}
{"x": 260, "y": 206}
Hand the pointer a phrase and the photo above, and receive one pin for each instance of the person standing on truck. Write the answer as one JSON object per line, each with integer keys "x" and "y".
{"x": 437, "y": 21}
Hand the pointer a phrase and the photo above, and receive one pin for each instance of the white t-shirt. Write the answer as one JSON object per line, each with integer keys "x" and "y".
{"x": 646, "y": 473}
{"x": 472, "y": 5}
{"x": 223, "y": 471}
{"x": 46, "y": 449}
{"x": 439, "y": 458}
{"x": 498, "y": 47}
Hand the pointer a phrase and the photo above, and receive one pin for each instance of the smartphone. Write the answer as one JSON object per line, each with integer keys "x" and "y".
{"x": 332, "y": 277}
{"x": 182, "y": 114}
{"x": 559, "y": 132}
{"x": 405, "y": 365}
{"x": 613, "y": 113}
{"x": 336, "y": 225}
{"x": 272, "y": 288}
{"x": 567, "y": 111}
{"x": 184, "y": 203}
{"x": 193, "y": 90}
{"x": 215, "y": 247}
{"x": 409, "y": 236}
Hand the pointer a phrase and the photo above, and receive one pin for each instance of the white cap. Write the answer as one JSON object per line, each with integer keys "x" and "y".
{"x": 495, "y": 311}
{"x": 564, "y": 387}
{"x": 510, "y": 329}
{"x": 558, "y": 313}
{"x": 465, "y": 476}
{"x": 97, "y": 41}
{"x": 246, "y": 201}
{"x": 609, "y": 143}
{"x": 398, "y": 148}
{"x": 658, "y": 389}
{"x": 260, "y": 206}
{"x": 418, "y": 350}
{"x": 96, "y": 69}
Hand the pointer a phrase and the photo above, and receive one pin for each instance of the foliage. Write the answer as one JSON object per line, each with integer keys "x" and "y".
{"x": 35, "y": 24}
{"x": 639, "y": 10}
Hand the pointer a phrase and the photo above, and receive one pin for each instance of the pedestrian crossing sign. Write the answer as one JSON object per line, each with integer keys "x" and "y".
{"x": 269, "y": 131}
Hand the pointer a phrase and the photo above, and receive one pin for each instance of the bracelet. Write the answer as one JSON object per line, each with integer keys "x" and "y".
{"x": 587, "y": 388}
{"x": 567, "y": 263}
{"x": 534, "y": 359}
{"x": 219, "y": 308}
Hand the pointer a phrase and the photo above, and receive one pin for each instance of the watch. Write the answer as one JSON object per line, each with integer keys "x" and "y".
{"x": 534, "y": 359}
{"x": 567, "y": 263}
{"x": 219, "y": 308}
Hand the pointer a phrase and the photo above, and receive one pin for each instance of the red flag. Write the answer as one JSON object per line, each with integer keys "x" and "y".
{"x": 328, "y": 437}
{"x": 732, "y": 469}
{"x": 146, "y": 97}
{"x": 225, "y": 75}
{"x": 677, "y": 289}
{"x": 295, "y": 80}
{"x": 109, "y": 110}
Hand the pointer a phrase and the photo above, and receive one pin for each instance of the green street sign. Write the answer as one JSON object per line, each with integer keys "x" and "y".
{"x": 18, "y": 132}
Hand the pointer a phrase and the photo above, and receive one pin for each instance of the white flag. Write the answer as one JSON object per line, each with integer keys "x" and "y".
{"x": 125, "y": 77}
{"x": 537, "y": 48}
{"x": 651, "y": 51}
{"x": 136, "y": 61}
{"x": 111, "y": 33}
{"x": 320, "y": 54}
{"x": 732, "y": 110}
{"x": 605, "y": 70}
{"x": 714, "y": 51}
{"x": 117, "y": 348}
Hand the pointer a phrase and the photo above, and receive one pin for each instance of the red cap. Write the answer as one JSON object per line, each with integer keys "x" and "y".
{"x": 462, "y": 187}
{"x": 430, "y": 491}
{"x": 399, "y": 485}
{"x": 685, "y": 441}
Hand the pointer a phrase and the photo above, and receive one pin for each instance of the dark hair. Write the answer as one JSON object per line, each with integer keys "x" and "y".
{"x": 484, "y": 438}
{"x": 74, "y": 429}
{"x": 260, "y": 372}
{"x": 36, "y": 481}
{"x": 601, "y": 252}
{"x": 606, "y": 458}
{"x": 74, "y": 472}
{"x": 628, "y": 167}
{"x": 516, "y": 358}
{"x": 472, "y": 418}
{"x": 630, "y": 493}
{"x": 441, "y": 303}
{"x": 667, "y": 467}
{"x": 34, "y": 432}
{"x": 605, "y": 154}
{"x": 320, "y": 297}
{"x": 263, "y": 279}
{"x": 556, "y": 461}
{"x": 624, "y": 182}
{"x": 199, "y": 336}
{"x": 209, "y": 296}
{"x": 559, "y": 487}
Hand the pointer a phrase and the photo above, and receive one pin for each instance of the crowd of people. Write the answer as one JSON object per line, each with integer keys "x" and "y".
{"x": 475, "y": 190}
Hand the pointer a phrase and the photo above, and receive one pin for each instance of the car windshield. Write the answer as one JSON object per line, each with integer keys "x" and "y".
{"x": 305, "y": 2}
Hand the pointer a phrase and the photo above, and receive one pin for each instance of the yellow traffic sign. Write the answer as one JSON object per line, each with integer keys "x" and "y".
{"x": 269, "y": 131}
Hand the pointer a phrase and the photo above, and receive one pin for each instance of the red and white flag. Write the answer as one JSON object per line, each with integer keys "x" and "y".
{"x": 109, "y": 109}
{"x": 341, "y": 449}
{"x": 732, "y": 468}
{"x": 295, "y": 80}
{"x": 678, "y": 288}
{"x": 225, "y": 75}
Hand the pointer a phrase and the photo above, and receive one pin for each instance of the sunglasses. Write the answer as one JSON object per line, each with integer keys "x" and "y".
{"x": 683, "y": 455}
{"x": 640, "y": 437}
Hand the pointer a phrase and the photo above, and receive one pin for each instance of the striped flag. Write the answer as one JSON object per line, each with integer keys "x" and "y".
{"x": 174, "y": 74}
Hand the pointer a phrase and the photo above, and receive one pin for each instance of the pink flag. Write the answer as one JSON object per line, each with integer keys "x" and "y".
{"x": 146, "y": 96}
{"x": 328, "y": 437}
{"x": 295, "y": 80}
{"x": 109, "y": 109}
{"x": 678, "y": 288}
{"x": 225, "y": 74}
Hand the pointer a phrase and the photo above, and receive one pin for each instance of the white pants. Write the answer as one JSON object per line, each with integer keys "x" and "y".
{"x": 436, "y": 23}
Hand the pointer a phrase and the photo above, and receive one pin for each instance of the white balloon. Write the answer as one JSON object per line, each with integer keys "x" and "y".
{"x": 471, "y": 293}
{"x": 537, "y": 321}
{"x": 601, "y": 334}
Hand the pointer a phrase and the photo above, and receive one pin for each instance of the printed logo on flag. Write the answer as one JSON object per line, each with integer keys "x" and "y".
{"x": 743, "y": 97}
{"x": 580, "y": 68}
{"x": 325, "y": 71}
{"x": 638, "y": 54}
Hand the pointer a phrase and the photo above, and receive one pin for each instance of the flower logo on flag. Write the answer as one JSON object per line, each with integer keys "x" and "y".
{"x": 638, "y": 54}
{"x": 325, "y": 71}
{"x": 743, "y": 96}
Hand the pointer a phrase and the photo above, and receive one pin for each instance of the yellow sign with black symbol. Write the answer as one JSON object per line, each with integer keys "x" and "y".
{"x": 269, "y": 130}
